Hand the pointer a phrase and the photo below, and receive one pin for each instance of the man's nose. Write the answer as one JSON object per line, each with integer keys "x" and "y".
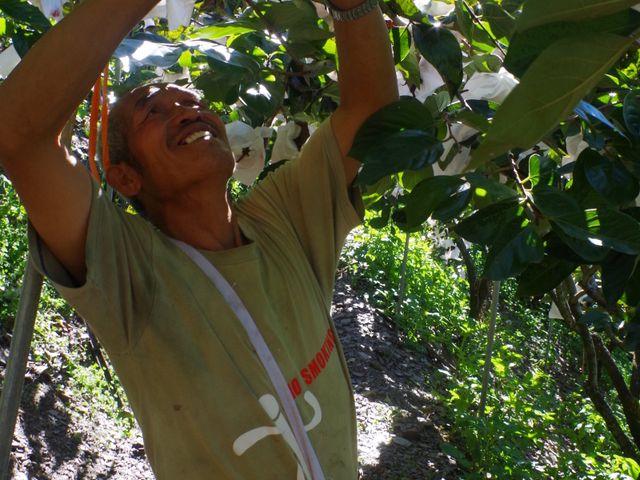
{"x": 185, "y": 114}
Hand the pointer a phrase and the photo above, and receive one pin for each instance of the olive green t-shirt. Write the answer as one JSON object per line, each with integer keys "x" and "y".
{"x": 198, "y": 390}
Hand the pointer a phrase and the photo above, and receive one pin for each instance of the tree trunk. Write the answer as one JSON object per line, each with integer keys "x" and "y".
{"x": 479, "y": 288}
{"x": 489, "y": 353}
{"x": 630, "y": 405}
{"x": 635, "y": 375}
{"x": 562, "y": 298}
{"x": 403, "y": 275}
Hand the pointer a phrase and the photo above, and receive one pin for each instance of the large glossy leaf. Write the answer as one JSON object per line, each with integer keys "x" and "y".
{"x": 398, "y": 137}
{"x": 487, "y": 191}
{"x": 525, "y": 47}
{"x": 298, "y": 19}
{"x": 442, "y": 49}
{"x": 26, "y": 13}
{"x": 517, "y": 246}
{"x": 401, "y": 42}
{"x": 484, "y": 225}
{"x": 540, "y": 278}
{"x": 549, "y": 91}
{"x": 407, "y": 9}
{"x": 223, "y": 57}
{"x": 150, "y": 50}
{"x": 428, "y": 195}
{"x": 602, "y": 226}
{"x": 540, "y": 12}
{"x": 609, "y": 178}
{"x": 541, "y": 170}
{"x": 214, "y": 32}
{"x": 616, "y": 270}
{"x": 454, "y": 205}
{"x": 632, "y": 288}
{"x": 631, "y": 112}
{"x": 573, "y": 250}
{"x": 502, "y": 23}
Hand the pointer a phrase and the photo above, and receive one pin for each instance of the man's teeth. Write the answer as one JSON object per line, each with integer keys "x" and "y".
{"x": 197, "y": 136}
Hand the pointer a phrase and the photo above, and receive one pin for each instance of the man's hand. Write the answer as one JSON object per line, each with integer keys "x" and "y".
{"x": 367, "y": 76}
{"x": 36, "y": 101}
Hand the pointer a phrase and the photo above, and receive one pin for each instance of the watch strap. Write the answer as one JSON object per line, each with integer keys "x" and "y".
{"x": 352, "y": 14}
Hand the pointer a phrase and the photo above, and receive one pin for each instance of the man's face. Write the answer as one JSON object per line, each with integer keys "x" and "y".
{"x": 175, "y": 140}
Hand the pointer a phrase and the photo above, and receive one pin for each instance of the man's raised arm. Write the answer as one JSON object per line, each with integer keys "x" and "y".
{"x": 37, "y": 100}
{"x": 366, "y": 75}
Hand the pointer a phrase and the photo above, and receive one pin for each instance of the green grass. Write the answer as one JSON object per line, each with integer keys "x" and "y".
{"x": 537, "y": 423}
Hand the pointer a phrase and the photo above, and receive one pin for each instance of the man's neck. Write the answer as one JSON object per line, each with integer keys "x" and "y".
{"x": 206, "y": 221}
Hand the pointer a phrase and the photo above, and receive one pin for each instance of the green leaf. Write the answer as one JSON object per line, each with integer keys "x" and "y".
{"x": 632, "y": 288}
{"x": 226, "y": 59}
{"x": 502, "y": 23}
{"x": 631, "y": 112}
{"x": 455, "y": 452}
{"x": 540, "y": 278}
{"x": 401, "y": 41}
{"x": 214, "y": 32}
{"x": 513, "y": 250}
{"x": 427, "y": 196}
{"x": 410, "y": 178}
{"x": 26, "y": 13}
{"x": 472, "y": 119}
{"x": 442, "y": 49}
{"x": 632, "y": 337}
{"x": 548, "y": 92}
{"x": 525, "y": 47}
{"x": 455, "y": 205}
{"x": 601, "y": 227}
{"x": 410, "y": 68}
{"x": 407, "y": 9}
{"x": 487, "y": 191}
{"x": 609, "y": 178}
{"x": 483, "y": 225}
{"x": 541, "y": 170}
{"x": 23, "y": 39}
{"x": 477, "y": 37}
{"x": 398, "y": 137}
{"x": 540, "y": 12}
{"x": 616, "y": 270}
{"x": 220, "y": 87}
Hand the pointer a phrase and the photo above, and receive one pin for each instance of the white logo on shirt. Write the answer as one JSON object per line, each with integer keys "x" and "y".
{"x": 271, "y": 406}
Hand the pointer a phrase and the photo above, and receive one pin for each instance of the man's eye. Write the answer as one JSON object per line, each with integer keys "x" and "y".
{"x": 151, "y": 112}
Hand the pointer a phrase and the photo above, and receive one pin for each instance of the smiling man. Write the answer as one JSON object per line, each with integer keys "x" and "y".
{"x": 204, "y": 396}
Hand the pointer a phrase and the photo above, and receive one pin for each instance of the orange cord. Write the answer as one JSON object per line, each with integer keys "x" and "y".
{"x": 93, "y": 130}
{"x": 100, "y": 89}
{"x": 105, "y": 119}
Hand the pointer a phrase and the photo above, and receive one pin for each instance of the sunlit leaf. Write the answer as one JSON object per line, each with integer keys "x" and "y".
{"x": 549, "y": 91}
{"x": 539, "y": 12}
{"x": 525, "y": 47}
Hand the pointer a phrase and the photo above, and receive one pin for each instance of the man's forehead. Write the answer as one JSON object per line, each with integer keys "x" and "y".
{"x": 138, "y": 97}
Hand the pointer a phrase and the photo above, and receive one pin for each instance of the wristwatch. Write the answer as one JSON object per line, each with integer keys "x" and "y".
{"x": 354, "y": 13}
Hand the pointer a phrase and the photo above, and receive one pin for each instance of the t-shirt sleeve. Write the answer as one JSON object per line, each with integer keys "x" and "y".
{"x": 117, "y": 295}
{"x": 312, "y": 194}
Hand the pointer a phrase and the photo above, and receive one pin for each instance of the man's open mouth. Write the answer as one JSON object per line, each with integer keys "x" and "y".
{"x": 194, "y": 137}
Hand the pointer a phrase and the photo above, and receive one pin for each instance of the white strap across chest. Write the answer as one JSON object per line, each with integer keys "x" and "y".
{"x": 269, "y": 363}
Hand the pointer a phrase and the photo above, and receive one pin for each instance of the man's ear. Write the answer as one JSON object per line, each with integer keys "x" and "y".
{"x": 125, "y": 179}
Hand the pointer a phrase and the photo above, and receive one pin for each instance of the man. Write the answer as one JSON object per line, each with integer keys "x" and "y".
{"x": 199, "y": 392}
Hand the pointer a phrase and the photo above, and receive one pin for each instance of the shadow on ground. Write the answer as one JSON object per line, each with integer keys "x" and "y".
{"x": 401, "y": 425}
